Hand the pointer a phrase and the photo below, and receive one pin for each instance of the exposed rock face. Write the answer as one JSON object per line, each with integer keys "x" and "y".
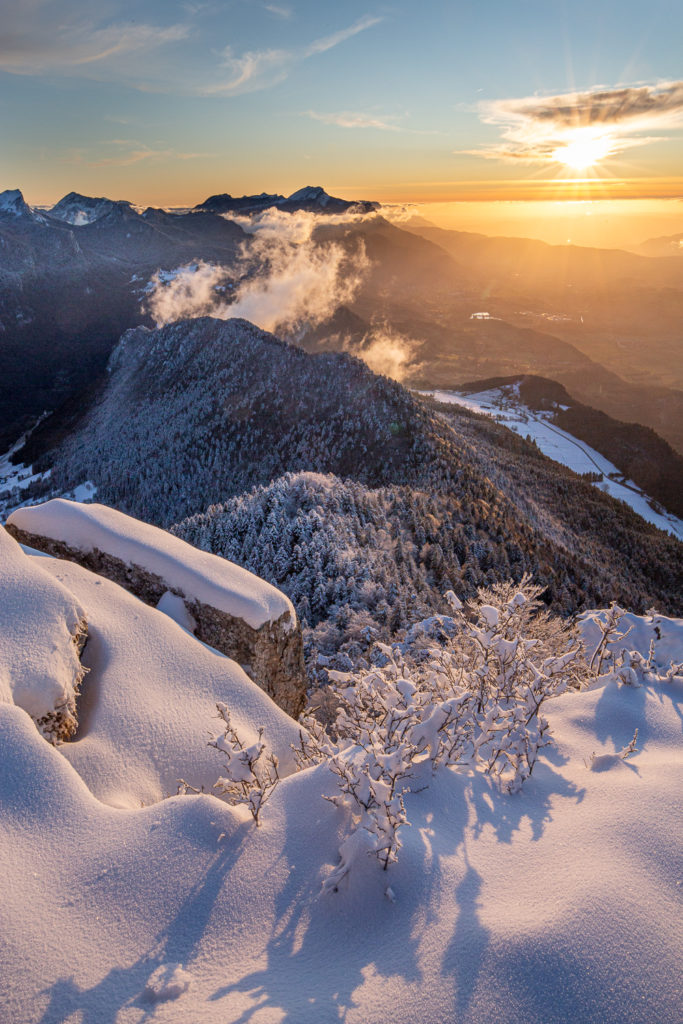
{"x": 272, "y": 655}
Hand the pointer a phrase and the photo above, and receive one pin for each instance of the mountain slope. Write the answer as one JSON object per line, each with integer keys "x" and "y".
{"x": 637, "y": 451}
{"x": 68, "y": 291}
{"x": 200, "y": 411}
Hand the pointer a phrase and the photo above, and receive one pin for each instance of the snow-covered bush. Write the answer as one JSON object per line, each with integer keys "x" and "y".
{"x": 250, "y": 774}
{"x": 632, "y": 649}
{"x": 464, "y": 691}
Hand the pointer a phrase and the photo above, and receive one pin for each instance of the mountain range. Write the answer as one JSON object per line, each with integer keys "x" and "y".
{"x": 603, "y": 323}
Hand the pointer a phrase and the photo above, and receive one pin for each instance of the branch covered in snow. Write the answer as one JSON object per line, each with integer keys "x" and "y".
{"x": 470, "y": 698}
{"x": 250, "y": 775}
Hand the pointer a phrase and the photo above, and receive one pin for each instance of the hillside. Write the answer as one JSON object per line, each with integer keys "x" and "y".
{"x": 199, "y": 412}
{"x": 636, "y": 451}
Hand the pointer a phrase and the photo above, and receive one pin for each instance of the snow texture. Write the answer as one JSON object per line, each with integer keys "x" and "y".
{"x": 40, "y": 619}
{"x": 200, "y": 576}
{"x": 149, "y": 700}
{"x": 637, "y": 633}
{"x": 12, "y": 203}
{"x": 558, "y": 904}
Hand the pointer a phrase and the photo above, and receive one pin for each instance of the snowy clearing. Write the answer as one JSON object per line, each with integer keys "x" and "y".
{"x": 557, "y": 444}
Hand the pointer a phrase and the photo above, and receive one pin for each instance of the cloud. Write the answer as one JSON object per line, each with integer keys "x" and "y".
{"x": 39, "y": 46}
{"x": 535, "y": 129}
{"x": 280, "y": 11}
{"x": 399, "y": 213}
{"x": 348, "y": 119}
{"x": 257, "y": 69}
{"x": 134, "y": 152}
{"x": 355, "y": 119}
{"x": 262, "y": 69}
{"x": 329, "y": 42}
{"x": 284, "y": 279}
{"x": 41, "y": 37}
{"x": 387, "y": 351}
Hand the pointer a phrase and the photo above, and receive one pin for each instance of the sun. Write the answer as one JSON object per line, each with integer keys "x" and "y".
{"x": 584, "y": 148}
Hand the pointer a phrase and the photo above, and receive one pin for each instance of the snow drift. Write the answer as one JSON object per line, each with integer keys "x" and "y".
{"x": 42, "y": 628}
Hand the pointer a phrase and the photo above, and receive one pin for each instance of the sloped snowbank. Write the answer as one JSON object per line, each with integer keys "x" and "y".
{"x": 560, "y": 903}
{"x": 199, "y": 575}
{"x": 41, "y": 628}
{"x": 149, "y": 703}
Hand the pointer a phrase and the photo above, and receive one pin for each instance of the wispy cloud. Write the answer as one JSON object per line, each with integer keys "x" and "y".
{"x": 349, "y": 119}
{"x": 261, "y": 69}
{"x": 73, "y": 39}
{"x": 82, "y": 48}
{"x": 359, "y": 119}
{"x": 329, "y": 42}
{"x": 534, "y": 129}
{"x": 126, "y": 152}
{"x": 279, "y": 10}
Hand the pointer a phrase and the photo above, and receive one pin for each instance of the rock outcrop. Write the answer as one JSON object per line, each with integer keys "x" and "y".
{"x": 271, "y": 653}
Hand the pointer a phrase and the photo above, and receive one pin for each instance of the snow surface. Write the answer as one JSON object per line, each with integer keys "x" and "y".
{"x": 149, "y": 699}
{"x": 561, "y": 446}
{"x": 39, "y": 664}
{"x": 560, "y": 904}
{"x": 201, "y": 576}
{"x": 16, "y": 478}
{"x": 637, "y": 632}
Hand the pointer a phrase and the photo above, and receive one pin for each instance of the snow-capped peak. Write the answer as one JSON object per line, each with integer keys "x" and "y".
{"x": 310, "y": 193}
{"x": 79, "y": 210}
{"x": 12, "y": 203}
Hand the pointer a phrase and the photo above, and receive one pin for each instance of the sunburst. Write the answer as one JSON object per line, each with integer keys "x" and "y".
{"x": 584, "y": 148}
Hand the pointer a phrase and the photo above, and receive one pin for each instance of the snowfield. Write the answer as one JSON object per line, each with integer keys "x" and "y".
{"x": 557, "y": 444}
{"x": 558, "y": 904}
{"x": 41, "y": 623}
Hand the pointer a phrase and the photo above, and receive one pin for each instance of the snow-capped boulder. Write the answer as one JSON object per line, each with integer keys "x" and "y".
{"x": 235, "y": 612}
{"x": 42, "y": 632}
{"x": 149, "y": 701}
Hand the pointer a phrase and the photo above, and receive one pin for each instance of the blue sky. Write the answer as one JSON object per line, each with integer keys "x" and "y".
{"x": 167, "y": 102}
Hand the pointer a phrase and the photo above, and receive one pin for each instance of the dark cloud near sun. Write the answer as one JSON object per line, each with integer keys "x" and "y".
{"x": 535, "y": 128}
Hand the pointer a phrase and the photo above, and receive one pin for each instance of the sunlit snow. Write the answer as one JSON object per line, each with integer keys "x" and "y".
{"x": 557, "y": 444}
